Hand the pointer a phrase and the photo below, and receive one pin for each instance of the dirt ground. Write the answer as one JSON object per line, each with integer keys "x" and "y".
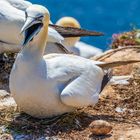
{"x": 119, "y": 105}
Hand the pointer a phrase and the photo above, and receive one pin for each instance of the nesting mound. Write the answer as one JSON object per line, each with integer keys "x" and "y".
{"x": 131, "y": 38}
{"x": 76, "y": 125}
{"x": 6, "y": 63}
{"x": 118, "y": 104}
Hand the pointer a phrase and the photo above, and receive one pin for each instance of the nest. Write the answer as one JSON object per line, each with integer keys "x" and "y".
{"x": 125, "y": 39}
{"x": 74, "y": 125}
{"x": 6, "y": 63}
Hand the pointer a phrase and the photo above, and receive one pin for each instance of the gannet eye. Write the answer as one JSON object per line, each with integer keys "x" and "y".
{"x": 39, "y": 18}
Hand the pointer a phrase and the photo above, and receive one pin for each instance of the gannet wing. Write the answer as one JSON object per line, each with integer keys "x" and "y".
{"x": 19, "y": 4}
{"x": 83, "y": 90}
{"x": 58, "y": 47}
{"x": 79, "y": 80}
{"x": 54, "y": 36}
{"x": 11, "y": 22}
{"x": 63, "y": 48}
{"x": 107, "y": 77}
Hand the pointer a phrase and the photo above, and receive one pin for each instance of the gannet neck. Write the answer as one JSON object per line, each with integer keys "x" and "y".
{"x": 35, "y": 31}
{"x": 71, "y": 41}
{"x": 69, "y": 22}
{"x": 37, "y": 46}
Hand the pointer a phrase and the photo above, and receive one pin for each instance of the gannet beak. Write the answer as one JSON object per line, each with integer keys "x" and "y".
{"x": 29, "y": 22}
{"x": 74, "y": 32}
{"x": 30, "y": 29}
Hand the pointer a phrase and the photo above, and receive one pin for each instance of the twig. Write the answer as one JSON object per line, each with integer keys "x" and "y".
{"x": 111, "y": 52}
{"x": 116, "y": 63}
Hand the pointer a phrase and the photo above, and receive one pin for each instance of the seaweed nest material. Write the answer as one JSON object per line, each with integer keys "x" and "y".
{"x": 119, "y": 105}
{"x": 6, "y": 63}
{"x": 76, "y": 125}
{"x": 131, "y": 38}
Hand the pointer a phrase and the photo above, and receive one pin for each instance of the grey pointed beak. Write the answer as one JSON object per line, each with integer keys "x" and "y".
{"x": 30, "y": 29}
{"x": 28, "y": 23}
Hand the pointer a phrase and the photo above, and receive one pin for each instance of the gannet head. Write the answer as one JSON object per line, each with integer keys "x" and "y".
{"x": 69, "y": 22}
{"x": 37, "y": 16}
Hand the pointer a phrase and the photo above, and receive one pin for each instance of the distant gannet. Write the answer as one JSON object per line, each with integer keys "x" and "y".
{"x": 73, "y": 43}
{"x": 55, "y": 84}
{"x": 12, "y": 17}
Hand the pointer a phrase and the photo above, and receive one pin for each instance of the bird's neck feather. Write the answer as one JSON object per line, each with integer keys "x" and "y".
{"x": 71, "y": 41}
{"x": 37, "y": 46}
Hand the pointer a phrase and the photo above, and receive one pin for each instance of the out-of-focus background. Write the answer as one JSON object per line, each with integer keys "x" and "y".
{"x": 108, "y": 16}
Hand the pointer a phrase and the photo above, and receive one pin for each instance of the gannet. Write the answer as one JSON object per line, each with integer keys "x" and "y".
{"x": 73, "y": 43}
{"x": 56, "y": 83}
{"x": 12, "y": 16}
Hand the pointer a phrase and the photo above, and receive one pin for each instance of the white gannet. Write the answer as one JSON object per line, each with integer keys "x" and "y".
{"x": 50, "y": 85}
{"x": 12, "y": 17}
{"x": 73, "y": 43}
{"x": 56, "y": 83}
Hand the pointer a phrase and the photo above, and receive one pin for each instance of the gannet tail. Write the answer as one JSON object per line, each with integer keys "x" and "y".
{"x": 108, "y": 65}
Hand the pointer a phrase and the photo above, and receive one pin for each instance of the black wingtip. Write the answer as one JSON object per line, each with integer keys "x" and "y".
{"x": 63, "y": 48}
{"x": 106, "y": 79}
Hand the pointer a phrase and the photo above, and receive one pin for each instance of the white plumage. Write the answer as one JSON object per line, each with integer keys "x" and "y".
{"x": 85, "y": 50}
{"x": 56, "y": 83}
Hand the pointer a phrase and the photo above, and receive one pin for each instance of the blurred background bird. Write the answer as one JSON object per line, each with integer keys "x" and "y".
{"x": 100, "y": 15}
{"x": 74, "y": 43}
{"x": 13, "y": 16}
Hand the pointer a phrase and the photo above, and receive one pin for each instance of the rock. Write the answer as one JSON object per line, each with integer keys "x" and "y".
{"x": 120, "y": 110}
{"x": 23, "y": 137}
{"x": 120, "y": 80}
{"x": 100, "y": 127}
{"x": 7, "y": 102}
